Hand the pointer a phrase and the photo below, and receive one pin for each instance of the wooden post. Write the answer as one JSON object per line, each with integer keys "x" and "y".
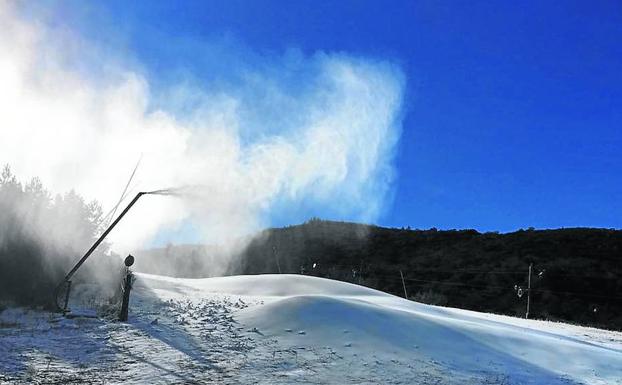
{"x": 404, "y": 285}
{"x": 528, "y": 291}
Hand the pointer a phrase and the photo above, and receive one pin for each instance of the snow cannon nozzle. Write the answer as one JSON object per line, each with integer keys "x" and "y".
{"x": 166, "y": 191}
{"x": 129, "y": 260}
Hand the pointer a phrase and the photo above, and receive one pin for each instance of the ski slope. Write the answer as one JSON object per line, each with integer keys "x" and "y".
{"x": 285, "y": 329}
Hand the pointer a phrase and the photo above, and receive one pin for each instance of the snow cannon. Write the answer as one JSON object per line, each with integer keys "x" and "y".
{"x": 64, "y": 287}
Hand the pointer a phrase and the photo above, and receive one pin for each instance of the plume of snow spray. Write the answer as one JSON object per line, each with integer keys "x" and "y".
{"x": 304, "y": 135}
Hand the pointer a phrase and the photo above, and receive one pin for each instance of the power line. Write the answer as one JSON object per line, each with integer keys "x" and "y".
{"x": 500, "y": 272}
{"x": 574, "y": 293}
{"x": 470, "y": 271}
{"x": 456, "y": 283}
{"x": 491, "y": 272}
{"x": 450, "y": 283}
{"x": 445, "y": 271}
{"x": 482, "y": 294}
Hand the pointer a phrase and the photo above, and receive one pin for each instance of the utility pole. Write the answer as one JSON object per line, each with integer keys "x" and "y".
{"x": 404, "y": 285}
{"x": 528, "y": 290}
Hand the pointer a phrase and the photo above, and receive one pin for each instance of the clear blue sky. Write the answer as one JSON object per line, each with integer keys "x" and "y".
{"x": 513, "y": 110}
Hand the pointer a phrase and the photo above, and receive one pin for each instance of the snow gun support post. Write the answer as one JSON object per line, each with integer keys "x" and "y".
{"x": 127, "y": 287}
{"x": 66, "y": 282}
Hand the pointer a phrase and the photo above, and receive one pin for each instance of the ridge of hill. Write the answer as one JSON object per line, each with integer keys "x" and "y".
{"x": 576, "y": 272}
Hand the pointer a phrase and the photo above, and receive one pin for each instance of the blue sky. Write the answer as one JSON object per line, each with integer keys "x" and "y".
{"x": 512, "y": 111}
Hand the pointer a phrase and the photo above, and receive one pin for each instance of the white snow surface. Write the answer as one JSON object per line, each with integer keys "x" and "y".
{"x": 286, "y": 329}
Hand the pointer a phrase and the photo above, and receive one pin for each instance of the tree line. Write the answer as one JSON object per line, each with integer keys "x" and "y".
{"x": 41, "y": 236}
{"x": 576, "y": 275}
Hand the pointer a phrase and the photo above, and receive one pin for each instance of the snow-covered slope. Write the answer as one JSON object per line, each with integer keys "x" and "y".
{"x": 298, "y": 329}
{"x": 390, "y": 334}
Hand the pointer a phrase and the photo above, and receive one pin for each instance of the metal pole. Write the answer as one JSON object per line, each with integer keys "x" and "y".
{"x": 123, "y": 315}
{"x": 101, "y": 238}
{"x": 404, "y": 285}
{"x": 528, "y": 291}
{"x": 67, "y": 295}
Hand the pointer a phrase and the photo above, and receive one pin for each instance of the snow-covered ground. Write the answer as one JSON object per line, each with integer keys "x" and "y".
{"x": 285, "y": 329}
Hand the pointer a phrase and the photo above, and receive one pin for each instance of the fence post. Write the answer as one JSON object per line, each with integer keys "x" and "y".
{"x": 528, "y": 291}
{"x": 404, "y": 285}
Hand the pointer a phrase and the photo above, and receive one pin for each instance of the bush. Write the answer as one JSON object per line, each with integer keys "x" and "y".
{"x": 430, "y": 297}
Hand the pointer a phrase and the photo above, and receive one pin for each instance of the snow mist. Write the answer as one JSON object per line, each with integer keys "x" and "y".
{"x": 298, "y": 135}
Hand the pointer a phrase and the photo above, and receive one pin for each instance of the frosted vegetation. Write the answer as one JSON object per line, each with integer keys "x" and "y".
{"x": 41, "y": 236}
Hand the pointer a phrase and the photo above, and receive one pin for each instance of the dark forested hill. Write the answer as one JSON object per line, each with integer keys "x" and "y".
{"x": 576, "y": 273}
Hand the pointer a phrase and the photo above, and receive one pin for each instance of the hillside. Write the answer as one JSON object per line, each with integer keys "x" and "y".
{"x": 577, "y": 273}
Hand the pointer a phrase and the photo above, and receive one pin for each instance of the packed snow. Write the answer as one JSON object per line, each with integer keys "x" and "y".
{"x": 286, "y": 329}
